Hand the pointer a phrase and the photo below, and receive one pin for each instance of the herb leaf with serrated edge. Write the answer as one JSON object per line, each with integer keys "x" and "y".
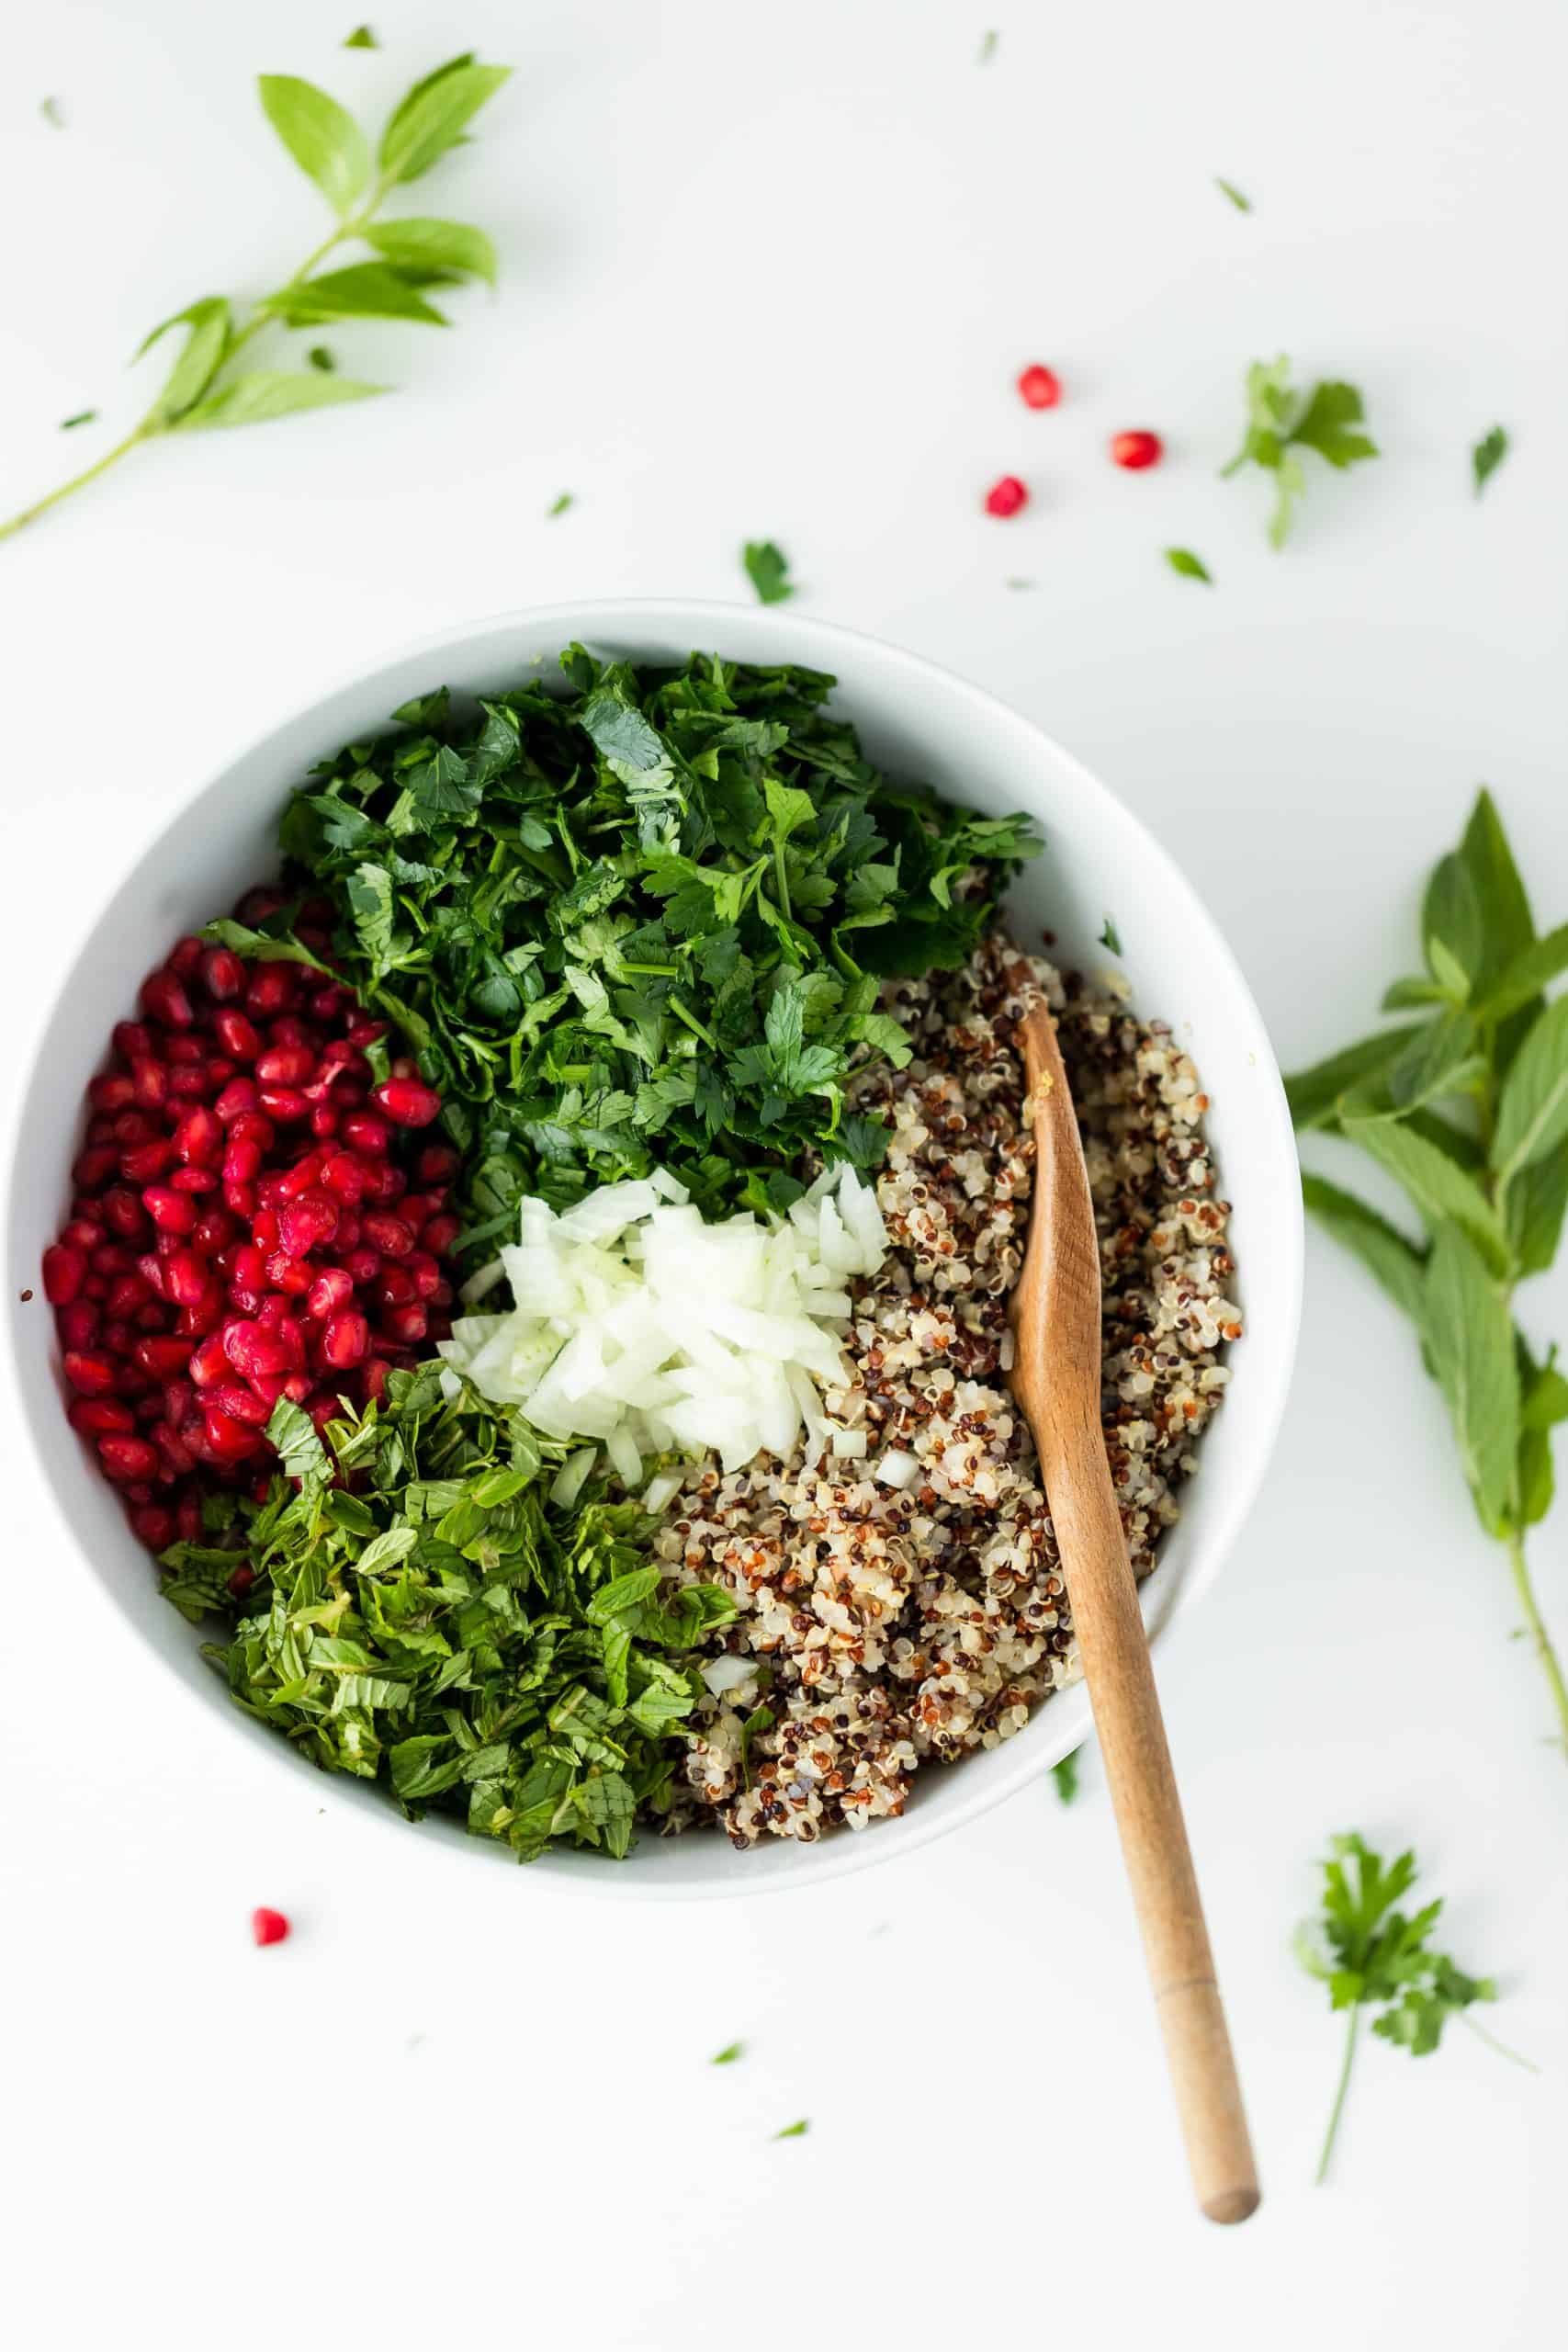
{"x": 1371, "y": 1956}
{"x": 644, "y": 920}
{"x": 332, "y": 149}
{"x": 1279, "y": 422}
{"x": 767, "y": 568}
{"x": 1467, "y": 1110}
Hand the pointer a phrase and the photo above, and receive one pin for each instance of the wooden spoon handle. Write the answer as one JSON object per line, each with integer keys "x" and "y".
{"x": 1115, "y": 1653}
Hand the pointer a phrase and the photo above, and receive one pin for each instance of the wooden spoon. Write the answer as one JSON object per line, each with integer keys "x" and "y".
{"x": 1055, "y": 1378}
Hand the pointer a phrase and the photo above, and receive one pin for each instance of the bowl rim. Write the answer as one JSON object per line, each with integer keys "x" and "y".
{"x": 813, "y": 640}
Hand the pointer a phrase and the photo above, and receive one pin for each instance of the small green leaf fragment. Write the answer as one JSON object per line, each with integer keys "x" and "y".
{"x": 322, "y": 359}
{"x": 1228, "y": 189}
{"x": 1189, "y": 566}
{"x": 794, "y": 2131}
{"x": 258, "y": 398}
{"x": 1487, "y": 456}
{"x": 362, "y": 38}
{"x": 53, "y": 113}
{"x": 1065, "y": 1773}
{"x": 729, "y": 2054}
{"x": 1110, "y": 937}
{"x": 559, "y": 505}
{"x": 767, "y": 568}
{"x": 322, "y": 137}
{"x": 990, "y": 44}
{"x": 82, "y": 416}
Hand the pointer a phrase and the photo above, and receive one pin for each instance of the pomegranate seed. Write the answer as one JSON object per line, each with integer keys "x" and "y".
{"x": 375, "y": 1378}
{"x": 290, "y": 1274}
{"x": 366, "y": 1133}
{"x": 254, "y": 1350}
{"x": 364, "y": 1265}
{"x": 153, "y": 1526}
{"x": 347, "y": 1341}
{"x": 271, "y": 990}
{"x": 188, "y": 1516}
{"x": 324, "y": 1119}
{"x": 143, "y": 1163}
{"x": 239, "y": 1200}
{"x": 1136, "y": 451}
{"x": 347, "y": 1234}
{"x": 330, "y": 1291}
{"x": 437, "y": 1164}
{"x": 114, "y": 1091}
{"x": 263, "y": 1232}
{"x": 242, "y": 1405}
{"x": 149, "y": 1084}
{"x": 268, "y": 1927}
{"x": 286, "y": 1104}
{"x": 213, "y": 1232}
{"x": 210, "y": 1362}
{"x": 1038, "y": 388}
{"x": 241, "y": 1160}
{"x": 1009, "y": 497}
{"x": 84, "y": 1233}
{"x": 323, "y": 1409}
{"x": 177, "y": 1050}
{"x": 190, "y": 1084}
{"x": 407, "y": 1324}
{"x": 230, "y": 1440}
{"x": 388, "y": 1234}
{"x": 185, "y": 1277}
{"x": 172, "y": 1212}
{"x": 97, "y": 1416}
{"x": 240, "y": 1096}
{"x": 286, "y": 1065}
{"x": 123, "y": 1213}
{"x": 407, "y": 1102}
{"x": 94, "y": 1168}
{"x": 64, "y": 1272}
{"x": 194, "y": 1182}
{"x": 199, "y": 1138}
{"x": 128, "y": 1459}
{"x": 344, "y": 1176}
{"x": 423, "y": 1273}
{"x": 222, "y": 974}
{"x": 90, "y": 1375}
{"x": 165, "y": 1359}
{"x": 127, "y": 1295}
{"x": 440, "y": 1234}
{"x": 394, "y": 1286}
{"x": 131, "y": 1039}
{"x": 306, "y": 1223}
{"x": 384, "y": 1181}
{"x": 186, "y": 958}
{"x": 78, "y": 1324}
{"x": 163, "y": 996}
{"x": 257, "y": 905}
{"x": 300, "y": 1178}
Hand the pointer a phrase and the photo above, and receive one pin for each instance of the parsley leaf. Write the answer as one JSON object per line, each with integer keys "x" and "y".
{"x": 1191, "y": 567}
{"x": 1279, "y": 423}
{"x": 1371, "y": 1956}
{"x": 1487, "y": 456}
{"x": 767, "y": 568}
{"x": 1241, "y": 203}
{"x": 1110, "y": 937}
{"x": 1065, "y": 1773}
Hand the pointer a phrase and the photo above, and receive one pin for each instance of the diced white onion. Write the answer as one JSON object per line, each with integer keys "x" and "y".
{"x": 898, "y": 1468}
{"x": 636, "y": 1325}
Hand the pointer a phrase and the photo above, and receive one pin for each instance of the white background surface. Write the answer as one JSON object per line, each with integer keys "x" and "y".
{"x": 773, "y": 271}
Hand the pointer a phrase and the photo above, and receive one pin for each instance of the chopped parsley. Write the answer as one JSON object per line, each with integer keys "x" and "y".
{"x": 646, "y": 921}
{"x": 557, "y": 505}
{"x": 794, "y": 2131}
{"x": 729, "y": 2054}
{"x": 322, "y": 359}
{"x": 82, "y": 416}
{"x": 1065, "y": 1773}
{"x": 1228, "y": 189}
{"x": 1110, "y": 937}
{"x": 362, "y": 38}
{"x": 1189, "y": 566}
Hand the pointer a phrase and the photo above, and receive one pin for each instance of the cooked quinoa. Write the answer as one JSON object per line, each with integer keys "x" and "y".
{"x": 890, "y": 1619}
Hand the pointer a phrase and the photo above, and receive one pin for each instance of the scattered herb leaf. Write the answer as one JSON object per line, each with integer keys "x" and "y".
{"x": 767, "y": 568}
{"x": 559, "y": 505}
{"x": 1189, "y": 566}
{"x": 1228, "y": 187}
{"x": 794, "y": 2131}
{"x": 1110, "y": 937}
{"x": 322, "y": 359}
{"x": 1487, "y": 456}
{"x": 362, "y": 38}
{"x": 729, "y": 2054}
{"x": 1023, "y": 583}
{"x": 1466, "y": 1107}
{"x": 1372, "y": 1957}
{"x": 203, "y": 389}
{"x": 82, "y": 416}
{"x": 989, "y": 47}
{"x": 1279, "y": 422}
{"x": 1065, "y": 1773}
{"x": 53, "y": 113}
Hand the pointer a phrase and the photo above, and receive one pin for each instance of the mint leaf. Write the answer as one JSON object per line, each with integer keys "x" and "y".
{"x": 1470, "y": 1334}
{"x": 1314, "y": 1094}
{"x": 322, "y": 137}
{"x": 260, "y": 397}
{"x": 1189, "y": 567}
{"x": 434, "y": 115}
{"x": 435, "y": 245}
{"x": 729, "y": 2054}
{"x": 1393, "y": 1261}
{"x": 1532, "y": 1113}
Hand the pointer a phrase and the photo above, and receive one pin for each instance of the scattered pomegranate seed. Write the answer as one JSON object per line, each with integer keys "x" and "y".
{"x": 1038, "y": 386}
{"x": 268, "y": 1927}
{"x": 407, "y": 1102}
{"x": 1009, "y": 497}
{"x": 1136, "y": 451}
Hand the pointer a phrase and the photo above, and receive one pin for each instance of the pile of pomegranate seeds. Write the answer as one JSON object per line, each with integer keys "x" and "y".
{"x": 254, "y": 1217}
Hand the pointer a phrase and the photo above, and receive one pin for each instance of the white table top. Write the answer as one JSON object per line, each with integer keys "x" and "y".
{"x": 771, "y": 272}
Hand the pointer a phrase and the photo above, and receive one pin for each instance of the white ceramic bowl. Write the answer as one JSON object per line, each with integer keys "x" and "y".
{"x": 917, "y": 720}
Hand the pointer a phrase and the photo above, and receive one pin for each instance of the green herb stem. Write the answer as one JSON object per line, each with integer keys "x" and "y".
{"x": 1516, "y": 2057}
{"x": 143, "y": 432}
{"x": 1541, "y": 1640}
{"x": 1338, "y": 2107}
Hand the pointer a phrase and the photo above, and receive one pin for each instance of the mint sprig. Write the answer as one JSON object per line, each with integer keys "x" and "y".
{"x": 1466, "y": 1108}
{"x": 205, "y": 390}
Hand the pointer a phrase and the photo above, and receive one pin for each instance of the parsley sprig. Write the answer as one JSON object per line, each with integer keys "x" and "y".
{"x": 1466, "y": 1108}
{"x": 204, "y": 390}
{"x": 643, "y": 922}
{"x": 1372, "y": 1958}
{"x": 1279, "y": 422}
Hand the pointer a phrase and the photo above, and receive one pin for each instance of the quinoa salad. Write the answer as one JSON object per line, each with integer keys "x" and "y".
{"x": 537, "y": 1274}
